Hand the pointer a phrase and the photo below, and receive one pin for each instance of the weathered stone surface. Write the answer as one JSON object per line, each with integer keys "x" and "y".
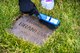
{"x": 30, "y": 29}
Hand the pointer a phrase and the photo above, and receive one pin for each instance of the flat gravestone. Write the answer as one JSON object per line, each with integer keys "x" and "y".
{"x": 30, "y": 29}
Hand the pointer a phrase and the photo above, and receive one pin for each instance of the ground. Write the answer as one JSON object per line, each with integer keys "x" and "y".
{"x": 66, "y": 39}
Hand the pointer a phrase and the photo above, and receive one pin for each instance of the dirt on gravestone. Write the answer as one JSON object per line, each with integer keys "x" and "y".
{"x": 29, "y": 28}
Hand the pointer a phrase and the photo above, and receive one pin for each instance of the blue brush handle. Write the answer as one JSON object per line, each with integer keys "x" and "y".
{"x": 49, "y": 19}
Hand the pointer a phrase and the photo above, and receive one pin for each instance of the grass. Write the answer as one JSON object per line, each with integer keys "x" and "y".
{"x": 66, "y": 39}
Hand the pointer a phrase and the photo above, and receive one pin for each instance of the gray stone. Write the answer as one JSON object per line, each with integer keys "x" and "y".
{"x": 30, "y": 29}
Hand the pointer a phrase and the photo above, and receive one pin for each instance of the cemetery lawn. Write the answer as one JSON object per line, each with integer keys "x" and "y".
{"x": 66, "y": 39}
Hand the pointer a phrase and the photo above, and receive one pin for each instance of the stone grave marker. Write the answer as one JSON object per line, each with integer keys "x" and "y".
{"x": 29, "y": 28}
